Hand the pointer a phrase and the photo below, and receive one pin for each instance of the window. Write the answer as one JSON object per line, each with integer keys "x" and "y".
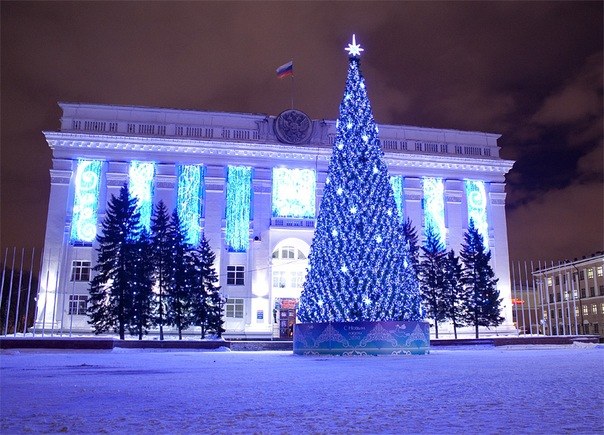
{"x": 77, "y": 305}
{"x": 551, "y": 298}
{"x": 599, "y": 271}
{"x": 298, "y": 279}
{"x": 560, "y": 313}
{"x": 602, "y": 308}
{"x": 549, "y": 281}
{"x": 583, "y": 294}
{"x": 590, "y": 273}
{"x": 585, "y": 310}
{"x": 592, "y": 291}
{"x": 80, "y": 270}
{"x": 602, "y": 290}
{"x": 235, "y": 275}
{"x": 234, "y": 308}
{"x": 566, "y": 295}
{"x": 586, "y": 328}
{"x": 279, "y": 279}
{"x": 557, "y": 280}
{"x": 594, "y": 309}
{"x": 288, "y": 252}
{"x": 596, "y": 328}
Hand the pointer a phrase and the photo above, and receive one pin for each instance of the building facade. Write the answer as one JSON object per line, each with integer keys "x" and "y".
{"x": 563, "y": 299}
{"x": 253, "y": 185}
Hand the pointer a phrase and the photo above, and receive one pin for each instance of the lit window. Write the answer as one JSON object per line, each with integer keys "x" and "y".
{"x": 549, "y": 281}
{"x": 576, "y": 311}
{"x": 599, "y": 271}
{"x": 77, "y": 305}
{"x": 80, "y": 270}
{"x": 235, "y": 275}
{"x": 602, "y": 307}
{"x": 590, "y": 273}
{"x": 234, "y": 308}
{"x": 594, "y": 309}
{"x": 279, "y": 279}
{"x": 298, "y": 279}
{"x": 288, "y": 252}
{"x": 585, "y": 310}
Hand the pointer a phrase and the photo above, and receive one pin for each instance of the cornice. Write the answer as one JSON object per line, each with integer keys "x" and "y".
{"x": 217, "y": 148}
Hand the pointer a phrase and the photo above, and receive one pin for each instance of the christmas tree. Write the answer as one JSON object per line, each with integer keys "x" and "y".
{"x": 163, "y": 261}
{"x": 359, "y": 265}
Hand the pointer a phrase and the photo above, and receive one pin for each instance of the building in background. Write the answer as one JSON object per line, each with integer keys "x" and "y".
{"x": 253, "y": 184}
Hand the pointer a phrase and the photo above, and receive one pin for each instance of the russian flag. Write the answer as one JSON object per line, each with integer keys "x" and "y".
{"x": 286, "y": 70}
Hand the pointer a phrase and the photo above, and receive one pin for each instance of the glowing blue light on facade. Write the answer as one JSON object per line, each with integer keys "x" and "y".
{"x": 190, "y": 200}
{"x": 294, "y": 193}
{"x": 477, "y": 208}
{"x": 86, "y": 200}
{"x": 140, "y": 184}
{"x": 434, "y": 206}
{"x": 396, "y": 181}
{"x": 238, "y": 208}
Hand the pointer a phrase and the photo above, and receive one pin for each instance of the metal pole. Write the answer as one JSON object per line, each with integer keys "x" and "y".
{"x": 521, "y": 299}
{"x": 19, "y": 292}
{"x": 537, "y": 321}
{"x": 31, "y": 274}
{"x": 3, "y": 274}
{"x": 528, "y": 299}
{"x": 72, "y": 277}
{"x": 549, "y": 312}
{"x": 37, "y": 298}
{"x": 10, "y": 291}
{"x": 567, "y": 277}
{"x": 515, "y": 296}
{"x": 46, "y": 293}
{"x": 64, "y": 293}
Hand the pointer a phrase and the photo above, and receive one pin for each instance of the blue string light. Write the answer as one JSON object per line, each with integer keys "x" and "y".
{"x": 294, "y": 193}
{"x": 396, "y": 181}
{"x": 477, "y": 208}
{"x": 238, "y": 208}
{"x": 190, "y": 200}
{"x": 86, "y": 200}
{"x": 140, "y": 185}
{"x": 434, "y": 206}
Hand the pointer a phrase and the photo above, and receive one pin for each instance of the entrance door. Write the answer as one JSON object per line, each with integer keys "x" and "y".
{"x": 287, "y": 318}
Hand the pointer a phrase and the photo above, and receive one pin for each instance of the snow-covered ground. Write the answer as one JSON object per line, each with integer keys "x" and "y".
{"x": 455, "y": 390}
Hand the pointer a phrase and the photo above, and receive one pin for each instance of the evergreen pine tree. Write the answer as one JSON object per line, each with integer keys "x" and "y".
{"x": 163, "y": 260}
{"x": 483, "y": 305}
{"x": 179, "y": 295}
{"x": 455, "y": 294}
{"x": 207, "y": 301}
{"x": 359, "y": 266}
{"x": 110, "y": 299}
{"x": 432, "y": 277}
{"x": 141, "y": 267}
{"x": 410, "y": 234}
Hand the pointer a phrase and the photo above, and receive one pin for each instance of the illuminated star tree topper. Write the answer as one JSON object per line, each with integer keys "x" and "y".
{"x": 359, "y": 266}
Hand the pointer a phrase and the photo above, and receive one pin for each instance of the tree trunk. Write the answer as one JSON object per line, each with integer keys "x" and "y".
{"x": 476, "y": 329}
{"x": 436, "y": 328}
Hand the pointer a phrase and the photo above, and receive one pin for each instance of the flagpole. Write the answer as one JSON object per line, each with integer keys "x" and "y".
{"x": 292, "y": 92}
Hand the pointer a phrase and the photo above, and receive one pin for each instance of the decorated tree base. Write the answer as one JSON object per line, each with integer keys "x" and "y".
{"x": 362, "y": 338}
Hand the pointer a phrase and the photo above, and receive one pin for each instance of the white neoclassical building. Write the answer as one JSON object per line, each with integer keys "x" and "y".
{"x": 253, "y": 184}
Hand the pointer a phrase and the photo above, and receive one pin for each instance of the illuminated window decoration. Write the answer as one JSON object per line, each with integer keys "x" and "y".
{"x": 238, "y": 207}
{"x": 190, "y": 200}
{"x": 294, "y": 193}
{"x": 86, "y": 200}
{"x": 434, "y": 206}
{"x": 397, "y": 188}
{"x": 477, "y": 208}
{"x": 140, "y": 185}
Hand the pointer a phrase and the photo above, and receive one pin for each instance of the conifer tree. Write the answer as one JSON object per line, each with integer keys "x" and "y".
{"x": 179, "y": 295}
{"x": 432, "y": 277}
{"x": 359, "y": 266}
{"x": 478, "y": 278}
{"x": 207, "y": 301}
{"x": 110, "y": 299}
{"x": 163, "y": 260}
{"x": 455, "y": 294}
{"x": 410, "y": 234}
{"x": 141, "y": 267}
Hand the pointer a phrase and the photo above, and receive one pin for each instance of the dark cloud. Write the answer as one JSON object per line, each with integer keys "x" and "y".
{"x": 531, "y": 71}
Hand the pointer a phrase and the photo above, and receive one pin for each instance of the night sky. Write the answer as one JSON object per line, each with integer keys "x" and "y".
{"x": 531, "y": 71}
